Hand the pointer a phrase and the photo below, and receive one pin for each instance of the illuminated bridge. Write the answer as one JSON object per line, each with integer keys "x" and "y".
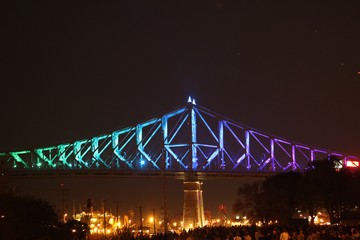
{"x": 189, "y": 139}
{"x": 189, "y": 142}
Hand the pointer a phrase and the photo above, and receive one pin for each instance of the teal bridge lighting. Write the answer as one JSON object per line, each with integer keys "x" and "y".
{"x": 189, "y": 139}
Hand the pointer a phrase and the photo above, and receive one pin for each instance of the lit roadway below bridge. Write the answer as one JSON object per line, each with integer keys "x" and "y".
{"x": 116, "y": 173}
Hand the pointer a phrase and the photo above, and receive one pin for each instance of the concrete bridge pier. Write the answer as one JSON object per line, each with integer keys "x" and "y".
{"x": 193, "y": 211}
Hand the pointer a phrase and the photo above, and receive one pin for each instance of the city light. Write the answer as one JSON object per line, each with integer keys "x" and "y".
{"x": 352, "y": 163}
{"x": 105, "y": 224}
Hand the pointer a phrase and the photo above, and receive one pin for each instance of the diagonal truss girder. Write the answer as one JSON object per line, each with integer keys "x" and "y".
{"x": 191, "y": 138}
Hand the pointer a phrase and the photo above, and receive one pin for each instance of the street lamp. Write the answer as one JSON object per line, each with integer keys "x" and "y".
{"x": 154, "y": 220}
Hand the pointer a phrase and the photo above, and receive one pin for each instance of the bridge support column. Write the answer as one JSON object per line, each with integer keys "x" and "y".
{"x": 193, "y": 212}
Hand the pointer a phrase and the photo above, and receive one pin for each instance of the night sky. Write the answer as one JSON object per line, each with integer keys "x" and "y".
{"x": 75, "y": 70}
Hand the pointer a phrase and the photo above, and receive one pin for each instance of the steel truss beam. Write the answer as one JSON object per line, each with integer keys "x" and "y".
{"x": 191, "y": 138}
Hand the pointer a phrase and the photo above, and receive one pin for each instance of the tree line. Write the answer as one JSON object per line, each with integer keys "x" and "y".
{"x": 26, "y": 217}
{"x": 323, "y": 185}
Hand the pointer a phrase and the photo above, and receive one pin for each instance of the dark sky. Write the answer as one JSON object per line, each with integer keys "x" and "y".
{"x": 75, "y": 70}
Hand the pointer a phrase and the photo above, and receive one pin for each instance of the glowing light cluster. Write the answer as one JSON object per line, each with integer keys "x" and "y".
{"x": 352, "y": 163}
{"x": 100, "y": 223}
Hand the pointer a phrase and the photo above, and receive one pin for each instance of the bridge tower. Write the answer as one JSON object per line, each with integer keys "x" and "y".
{"x": 193, "y": 211}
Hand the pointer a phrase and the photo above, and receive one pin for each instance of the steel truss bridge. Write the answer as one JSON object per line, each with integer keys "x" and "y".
{"x": 189, "y": 139}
